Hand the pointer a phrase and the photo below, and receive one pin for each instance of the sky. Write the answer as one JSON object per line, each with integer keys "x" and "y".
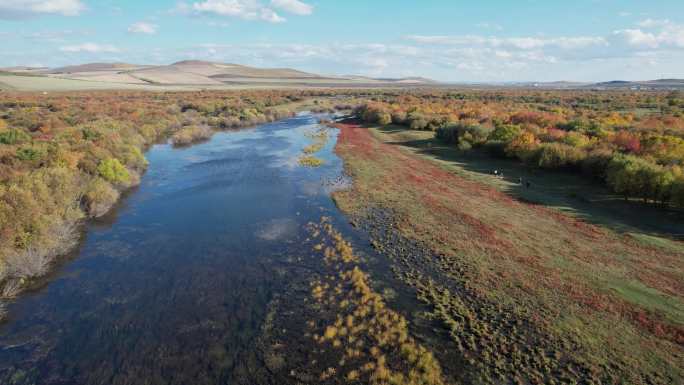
{"x": 447, "y": 40}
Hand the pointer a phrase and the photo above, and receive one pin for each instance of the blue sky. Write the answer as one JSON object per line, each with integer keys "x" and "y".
{"x": 523, "y": 40}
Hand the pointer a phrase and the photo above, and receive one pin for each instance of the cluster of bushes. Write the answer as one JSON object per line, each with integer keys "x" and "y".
{"x": 191, "y": 134}
{"x": 465, "y": 135}
{"x": 637, "y": 155}
{"x": 67, "y": 157}
{"x": 636, "y": 177}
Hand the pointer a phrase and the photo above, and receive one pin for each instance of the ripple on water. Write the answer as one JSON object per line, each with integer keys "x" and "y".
{"x": 278, "y": 229}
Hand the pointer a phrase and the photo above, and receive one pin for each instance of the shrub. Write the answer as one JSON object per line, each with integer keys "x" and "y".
{"x": 28, "y": 154}
{"x": 374, "y": 113}
{"x": 113, "y": 171}
{"x": 99, "y": 197}
{"x": 505, "y": 133}
{"x": 522, "y": 146}
{"x": 627, "y": 141}
{"x": 637, "y": 177}
{"x": 464, "y": 134}
{"x": 576, "y": 139}
{"x": 596, "y": 162}
{"x": 384, "y": 118}
{"x": 558, "y": 155}
{"x": 417, "y": 121}
{"x": 448, "y": 134}
{"x": 134, "y": 158}
{"x": 496, "y": 148}
{"x": 464, "y": 145}
{"x": 579, "y": 125}
{"x": 90, "y": 134}
{"x": 399, "y": 118}
{"x": 191, "y": 134}
{"x": 14, "y": 136}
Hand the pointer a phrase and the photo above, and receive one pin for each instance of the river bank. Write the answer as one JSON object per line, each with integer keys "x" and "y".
{"x": 505, "y": 277}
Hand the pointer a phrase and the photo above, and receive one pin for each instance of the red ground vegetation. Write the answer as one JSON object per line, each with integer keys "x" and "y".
{"x": 515, "y": 240}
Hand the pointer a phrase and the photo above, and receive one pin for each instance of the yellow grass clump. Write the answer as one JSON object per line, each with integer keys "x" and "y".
{"x": 372, "y": 339}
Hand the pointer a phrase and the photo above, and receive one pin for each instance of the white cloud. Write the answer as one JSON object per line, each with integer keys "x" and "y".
{"x": 651, "y": 23}
{"x": 11, "y": 9}
{"x": 673, "y": 35}
{"x": 269, "y": 15}
{"x": 246, "y": 9}
{"x": 293, "y": 6}
{"x": 638, "y": 38}
{"x": 492, "y": 26}
{"x": 142, "y": 27}
{"x": 243, "y": 9}
{"x": 90, "y": 48}
{"x": 522, "y": 43}
{"x": 669, "y": 36}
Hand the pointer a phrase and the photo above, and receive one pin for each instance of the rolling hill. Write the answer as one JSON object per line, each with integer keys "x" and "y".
{"x": 190, "y": 73}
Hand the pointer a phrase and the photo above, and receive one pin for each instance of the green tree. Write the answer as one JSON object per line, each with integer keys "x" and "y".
{"x": 113, "y": 171}
{"x": 505, "y": 133}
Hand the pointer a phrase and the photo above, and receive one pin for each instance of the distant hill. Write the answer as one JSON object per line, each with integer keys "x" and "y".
{"x": 659, "y": 84}
{"x": 23, "y": 69}
{"x": 93, "y": 67}
{"x": 406, "y": 80}
{"x": 198, "y": 73}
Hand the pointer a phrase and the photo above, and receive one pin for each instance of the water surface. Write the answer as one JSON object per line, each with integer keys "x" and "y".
{"x": 173, "y": 287}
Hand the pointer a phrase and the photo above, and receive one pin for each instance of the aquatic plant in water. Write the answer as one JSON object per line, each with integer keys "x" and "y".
{"x": 372, "y": 340}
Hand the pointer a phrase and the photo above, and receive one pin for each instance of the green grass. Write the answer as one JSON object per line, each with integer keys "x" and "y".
{"x": 655, "y": 241}
{"x": 573, "y": 194}
{"x": 607, "y": 299}
{"x": 649, "y": 298}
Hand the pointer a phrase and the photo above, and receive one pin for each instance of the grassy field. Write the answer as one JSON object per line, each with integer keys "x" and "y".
{"x": 568, "y": 192}
{"x": 603, "y": 305}
{"x": 48, "y": 84}
{"x": 51, "y": 84}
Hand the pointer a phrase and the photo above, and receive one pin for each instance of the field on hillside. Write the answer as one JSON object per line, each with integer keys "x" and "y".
{"x": 43, "y": 83}
{"x": 183, "y": 75}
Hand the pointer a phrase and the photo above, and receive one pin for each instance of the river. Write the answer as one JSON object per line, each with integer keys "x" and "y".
{"x": 173, "y": 286}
